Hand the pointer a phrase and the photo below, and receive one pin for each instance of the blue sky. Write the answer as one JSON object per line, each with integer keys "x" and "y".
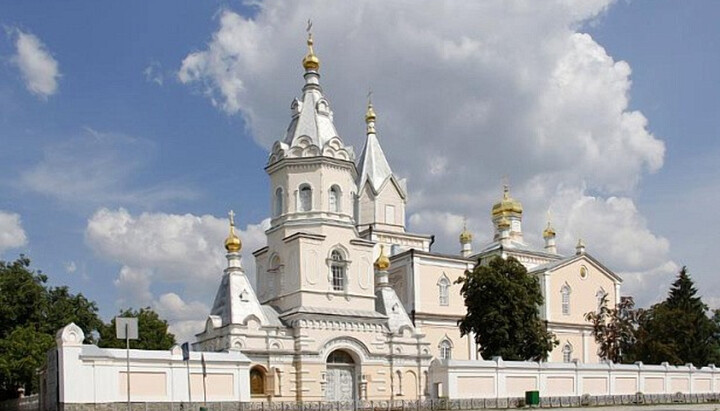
{"x": 162, "y": 112}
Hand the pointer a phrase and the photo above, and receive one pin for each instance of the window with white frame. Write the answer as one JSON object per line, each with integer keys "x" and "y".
{"x": 567, "y": 352}
{"x": 565, "y": 294}
{"x": 337, "y": 268}
{"x": 278, "y": 203}
{"x": 305, "y": 200}
{"x": 334, "y": 199}
{"x": 444, "y": 290}
{"x": 445, "y": 350}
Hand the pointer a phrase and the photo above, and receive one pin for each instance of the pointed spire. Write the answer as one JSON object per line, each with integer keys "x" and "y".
{"x": 232, "y": 242}
{"x": 373, "y": 164}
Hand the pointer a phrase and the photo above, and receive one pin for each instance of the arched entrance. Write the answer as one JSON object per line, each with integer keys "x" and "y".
{"x": 340, "y": 377}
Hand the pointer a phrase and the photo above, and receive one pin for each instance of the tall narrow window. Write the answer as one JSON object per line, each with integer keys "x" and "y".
{"x": 567, "y": 353}
{"x": 257, "y": 381}
{"x": 444, "y": 291}
{"x": 278, "y": 204}
{"x": 334, "y": 199}
{"x": 445, "y": 350}
{"x": 305, "y": 198}
{"x": 565, "y": 294}
{"x": 337, "y": 267}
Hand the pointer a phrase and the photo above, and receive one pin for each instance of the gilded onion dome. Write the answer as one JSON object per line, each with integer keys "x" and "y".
{"x": 465, "y": 235}
{"x": 232, "y": 242}
{"x": 311, "y": 62}
{"x": 549, "y": 231}
{"x": 383, "y": 262}
{"x": 370, "y": 113}
{"x": 507, "y": 205}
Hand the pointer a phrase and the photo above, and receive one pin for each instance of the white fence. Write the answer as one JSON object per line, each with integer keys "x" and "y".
{"x": 79, "y": 373}
{"x": 504, "y": 379}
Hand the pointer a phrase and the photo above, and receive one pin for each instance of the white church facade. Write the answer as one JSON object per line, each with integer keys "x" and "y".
{"x": 350, "y": 305}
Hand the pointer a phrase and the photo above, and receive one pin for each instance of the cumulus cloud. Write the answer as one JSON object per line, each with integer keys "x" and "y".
{"x": 169, "y": 250}
{"x": 465, "y": 93}
{"x": 97, "y": 168}
{"x": 38, "y": 67}
{"x": 12, "y": 234}
{"x": 186, "y": 319}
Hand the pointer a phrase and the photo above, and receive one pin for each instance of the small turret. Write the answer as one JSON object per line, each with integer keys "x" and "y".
{"x": 510, "y": 210}
{"x": 549, "y": 237}
{"x": 580, "y": 247}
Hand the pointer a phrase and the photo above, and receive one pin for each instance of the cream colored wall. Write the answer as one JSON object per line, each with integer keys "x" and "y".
{"x": 435, "y": 332}
{"x": 366, "y": 206}
{"x": 389, "y": 195}
{"x": 428, "y": 300}
{"x": 582, "y": 295}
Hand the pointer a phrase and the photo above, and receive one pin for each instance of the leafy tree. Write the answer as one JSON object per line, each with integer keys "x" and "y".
{"x": 678, "y": 329}
{"x": 615, "y": 329}
{"x": 503, "y": 303}
{"x": 30, "y": 315}
{"x": 152, "y": 332}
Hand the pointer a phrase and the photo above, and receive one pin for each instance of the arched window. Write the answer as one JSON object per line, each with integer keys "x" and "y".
{"x": 565, "y": 294}
{"x": 340, "y": 357}
{"x": 445, "y": 350}
{"x": 337, "y": 269}
{"x": 305, "y": 203}
{"x": 334, "y": 199}
{"x": 278, "y": 203}
{"x": 257, "y": 381}
{"x": 444, "y": 290}
{"x": 567, "y": 352}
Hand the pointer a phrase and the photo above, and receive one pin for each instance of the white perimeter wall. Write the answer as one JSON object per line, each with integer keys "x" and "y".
{"x": 88, "y": 374}
{"x": 456, "y": 379}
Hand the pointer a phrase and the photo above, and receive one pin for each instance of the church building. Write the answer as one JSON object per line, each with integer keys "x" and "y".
{"x": 348, "y": 304}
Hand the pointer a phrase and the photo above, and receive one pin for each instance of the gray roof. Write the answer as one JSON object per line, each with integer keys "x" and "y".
{"x": 373, "y": 165}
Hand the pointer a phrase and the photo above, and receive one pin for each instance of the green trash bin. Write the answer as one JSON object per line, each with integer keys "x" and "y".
{"x": 532, "y": 397}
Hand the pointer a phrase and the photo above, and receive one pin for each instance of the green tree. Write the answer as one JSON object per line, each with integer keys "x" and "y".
{"x": 30, "y": 315}
{"x": 677, "y": 330}
{"x": 615, "y": 328}
{"x": 152, "y": 330}
{"x": 503, "y": 304}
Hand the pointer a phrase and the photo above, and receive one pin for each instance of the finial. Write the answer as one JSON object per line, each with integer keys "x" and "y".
{"x": 382, "y": 263}
{"x": 465, "y": 234}
{"x": 310, "y": 62}
{"x": 549, "y": 230}
{"x": 232, "y": 242}
{"x": 506, "y": 191}
{"x": 370, "y": 115}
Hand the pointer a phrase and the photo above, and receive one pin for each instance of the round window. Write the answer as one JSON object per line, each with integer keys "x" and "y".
{"x": 583, "y": 272}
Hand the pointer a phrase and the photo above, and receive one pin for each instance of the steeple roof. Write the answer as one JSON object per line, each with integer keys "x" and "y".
{"x": 311, "y": 131}
{"x": 373, "y": 166}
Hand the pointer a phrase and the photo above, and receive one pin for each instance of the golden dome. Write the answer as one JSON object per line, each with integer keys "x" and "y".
{"x": 311, "y": 62}
{"x": 370, "y": 113}
{"x": 507, "y": 205}
{"x": 232, "y": 242}
{"x": 465, "y": 235}
{"x": 549, "y": 231}
{"x": 383, "y": 262}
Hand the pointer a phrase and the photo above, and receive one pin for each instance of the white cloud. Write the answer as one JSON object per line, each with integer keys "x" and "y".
{"x": 37, "y": 66}
{"x": 153, "y": 73}
{"x": 465, "y": 93}
{"x": 186, "y": 319}
{"x": 169, "y": 250}
{"x": 70, "y": 267}
{"x": 97, "y": 168}
{"x": 12, "y": 234}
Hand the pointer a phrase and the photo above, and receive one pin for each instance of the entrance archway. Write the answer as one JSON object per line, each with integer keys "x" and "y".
{"x": 340, "y": 377}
